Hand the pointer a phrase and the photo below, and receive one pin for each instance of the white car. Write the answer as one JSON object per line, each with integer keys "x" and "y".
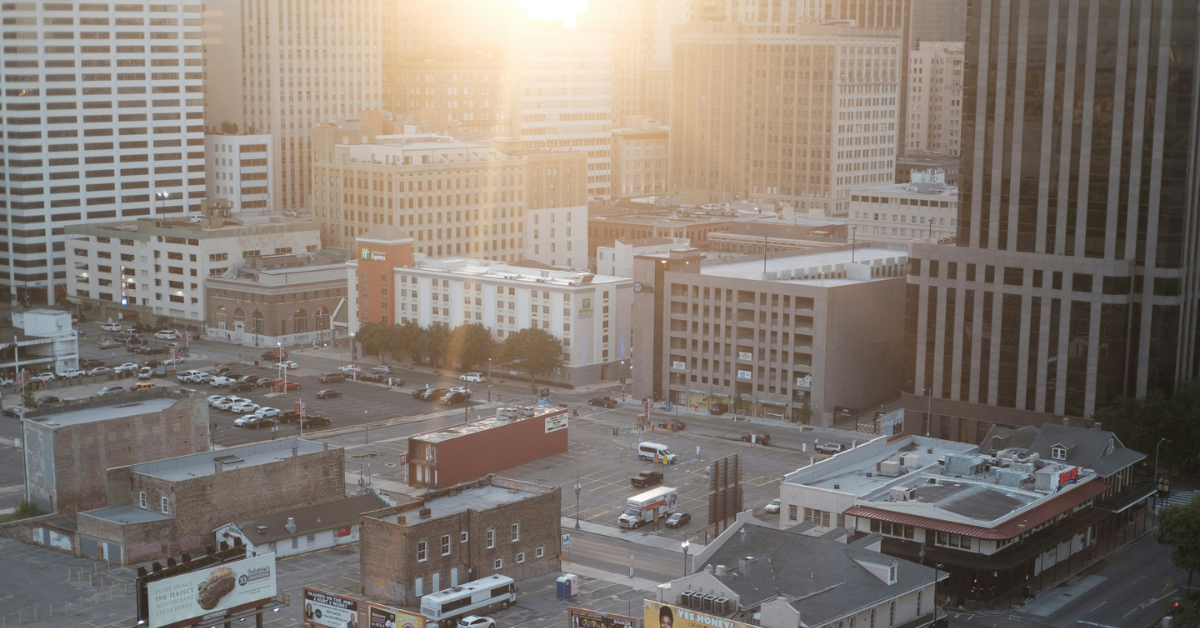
{"x": 111, "y": 389}
{"x": 245, "y": 419}
{"x": 213, "y": 399}
{"x": 175, "y": 361}
{"x": 71, "y": 373}
{"x": 475, "y": 621}
{"x": 110, "y": 327}
{"x": 471, "y": 377}
{"x": 245, "y": 407}
{"x": 461, "y": 389}
{"x": 188, "y": 376}
{"x": 6, "y": 382}
{"x": 287, "y": 364}
{"x": 145, "y": 373}
{"x": 100, "y": 370}
{"x": 270, "y": 413}
{"x": 43, "y": 377}
{"x": 349, "y": 370}
{"x": 126, "y": 367}
{"x": 167, "y": 334}
{"x": 220, "y": 382}
{"x": 229, "y": 402}
{"x": 773, "y": 506}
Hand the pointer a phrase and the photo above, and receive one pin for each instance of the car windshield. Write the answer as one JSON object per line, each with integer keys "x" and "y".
{"x": 632, "y": 512}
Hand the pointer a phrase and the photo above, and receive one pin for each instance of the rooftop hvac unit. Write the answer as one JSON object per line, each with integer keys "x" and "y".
{"x": 709, "y": 600}
{"x": 912, "y": 461}
{"x": 889, "y": 468}
{"x": 721, "y": 606}
{"x": 424, "y": 513}
{"x": 902, "y": 494}
{"x": 685, "y": 599}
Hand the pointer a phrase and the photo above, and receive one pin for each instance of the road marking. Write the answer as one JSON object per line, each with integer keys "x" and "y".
{"x": 1099, "y": 605}
{"x": 1094, "y": 624}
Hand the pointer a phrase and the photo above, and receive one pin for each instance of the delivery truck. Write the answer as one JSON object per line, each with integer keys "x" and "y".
{"x": 644, "y": 507}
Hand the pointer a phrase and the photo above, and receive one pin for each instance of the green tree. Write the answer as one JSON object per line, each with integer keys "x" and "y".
{"x": 1140, "y": 423}
{"x": 229, "y": 128}
{"x": 804, "y": 413}
{"x": 437, "y": 342}
{"x": 535, "y": 350}
{"x": 1179, "y": 528}
{"x": 471, "y": 344}
{"x": 411, "y": 338}
{"x": 27, "y": 398}
{"x": 371, "y": 336}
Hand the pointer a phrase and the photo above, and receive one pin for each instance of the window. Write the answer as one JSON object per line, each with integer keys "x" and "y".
{"x": 463, "y": 536}
{"x": 499, "y": 564}
{"x": 142, "y": 499}
{"x": 892, "y": 573}
{"x": 819, "y": 517}
{"x": 445, "y": 545}
{"x": 892, "y": 613}
{"x": 422, "y": 551}
{"x": 539, "y": 553}
{"x": 792, "y": 512}
{"x": 1058, "y": 453}
{"x": 516, "y": 532}
{"x": 164, "y": 505}
{"x": 491, "y": 538}
{"x": 919, "y": 603}
{"x": 520, "y": 557}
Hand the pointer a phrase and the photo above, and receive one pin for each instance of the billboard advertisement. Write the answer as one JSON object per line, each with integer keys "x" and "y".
{"x": 583, "y": 618}
{"x": 212, "y": 592}
{"x": 892, "y": 423}
{"x": 386, "y": 617}
{"x": 327, "y": 609}
{"x": 657, "y": 614}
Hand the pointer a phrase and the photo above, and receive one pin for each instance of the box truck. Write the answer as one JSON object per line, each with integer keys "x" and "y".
{"x": 642, "y": 508}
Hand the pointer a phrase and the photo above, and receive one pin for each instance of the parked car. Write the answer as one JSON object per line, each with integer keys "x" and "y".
{"x": 43, "y": 377}
{"x": 287, "y": 364}
{"x": 167, "y": 334}
{"x": 275, "y": 354}
{"x": 220, "y": 382}
{"x": 175, "y": 361}
{"x": 264, "y": 382}
{"x": 371, "y": 377}
{"x": 230, "y": 401}
{"x": 240, "y": 386}
{"x": 109, "y": 344}
{"x": 328, "y": 393}
{"x": 672, "y": 424}
{"x": 382, "y": 369}
{"x": 313, "y": 421}
{"x": 679, "y": 519}
{"x": 244, "y": 420}
{"x": 602, "y": 402}
{"x": 646, "y": 479}
{"x": 100, "y": 370}
{"x": 126, "y": 368}
{"x": 142, "y": 386}
{"x": 761, "y": 438}
{"x": 830, "y": 448}
{"x": 90, "y": 364}
{"x": 349, "y": 369}
{"x": 220, "y": 369}
{"x": 455, "y": 396}
{"x": 111, "y": 389}
{"x": 270, "y": 413}
{"x": 287, "y": 385}
{"x": 213, "y": 399}
{"x": 718, "y": 408}
{"x": 429, "y": 394}
{"x": 245, "y": 407}
{"x": 396, "y": 381}
{"x": 187, "y": 376}
{"x": 48, "y": 399}
{"x": 472, "y": 377}
{"x": 475, "y": 621}
{"x": 257, "y": 421}
{"x": 145, "y": 373}
{"x": 773, "y": 506}
{"x": 331, "y": 378}
{"x": 4, "y": 381}
{"x": 110, "y": 327}
{"x": 15, "y": 412}
{"x": 250, "y": 379}
{"x": 71, "y": 373}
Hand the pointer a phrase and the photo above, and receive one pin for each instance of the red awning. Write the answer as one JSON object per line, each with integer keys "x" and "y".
{"x": 1009, "y": 529}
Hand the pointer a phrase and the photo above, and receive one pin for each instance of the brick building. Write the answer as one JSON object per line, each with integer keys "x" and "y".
{"x": 69, "y": 449}
{"x": 515, "y": 436}
{"x": 277, "y": 298}
{"x": 459, "y": 534}
{"x": 163, "y": 508}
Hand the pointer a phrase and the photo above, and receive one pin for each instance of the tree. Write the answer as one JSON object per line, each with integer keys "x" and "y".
{"x": 437, "y": 342}
{"x": 534, "y": 349}
{"x": 27, "y": 398}
{"x": 471, "y": 344}
{"x": 804, "y": 413}
{"x": 1179, "y": 527}
{"x": 1141, "y": 423}
{"x": 411, "y": 339}
{"x": 372, "y": 337}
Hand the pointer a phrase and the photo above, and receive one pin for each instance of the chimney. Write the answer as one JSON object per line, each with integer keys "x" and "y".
{"x": 744, "y": 565}
{"x": 720, "y": 571}
{"x": 290, "y": 526}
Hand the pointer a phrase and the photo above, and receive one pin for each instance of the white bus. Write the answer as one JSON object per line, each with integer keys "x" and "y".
{"x": 444, "y": 608}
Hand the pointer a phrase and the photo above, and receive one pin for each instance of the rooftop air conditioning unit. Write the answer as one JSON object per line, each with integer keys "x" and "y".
{"x": 709, "y": 601}
{"x": 890, "y": 468}
{"x": 424, "y": 513}
{"x": 721, "y": 606}
{"x": 685, "y": 598}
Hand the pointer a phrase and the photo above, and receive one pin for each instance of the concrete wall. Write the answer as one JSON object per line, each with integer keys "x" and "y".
{"x": 139, "y": 542}
{"x": 864, "y": 348}
{"x": 67, "y": 464}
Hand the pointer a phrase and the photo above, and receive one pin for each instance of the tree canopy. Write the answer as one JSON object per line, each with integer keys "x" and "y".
{"x": 536, "y": 351}
{"x": 1179, "y": 528}
{"x": 437, "y": 342}
{"x": 471, "y": 344}
{"x": 1140, "y": 423}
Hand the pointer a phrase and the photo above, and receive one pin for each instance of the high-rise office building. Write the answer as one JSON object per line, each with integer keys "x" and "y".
{"x": 306, "y": 62}
{"x": 937, "y": 20}
{"x": 802, "y": 117}
{"x": 631, "y": 23}
{"x": 935, "y": 88}
{"x": 1074, "y": 277}
{"x": 104, "y": 117}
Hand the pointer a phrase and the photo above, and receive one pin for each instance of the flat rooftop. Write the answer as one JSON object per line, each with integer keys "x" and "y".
{"x": 805, "y": 264}
{"x": 106, "y": 413}
{"x": 854, "y": 471}
{"x": 489, "y": 269}
{"x": 504, "y": 416}
{"x": 204, "y": 464}
{"x": 125, "y": 515}
{"x": 482, "y": 498}
{"x": 946, "y": 192}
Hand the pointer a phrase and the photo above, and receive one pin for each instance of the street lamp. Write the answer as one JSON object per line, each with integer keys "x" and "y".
{"x": 366, "y": 427}
{"x": 578, "y": 487}
{"x": 353, "y": 355}
{"x": 489, "y": 380}
{"x": 928, "y": 409}
{"x": 936, "y": 567}
{"x": 160, "y": 197}
{"x": 282, "y": 366}
{"x": 685, "y": 545}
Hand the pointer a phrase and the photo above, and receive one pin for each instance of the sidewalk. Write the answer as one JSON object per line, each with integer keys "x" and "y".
{"x": 633, "y": 536}
{"x": 641, "y": 584}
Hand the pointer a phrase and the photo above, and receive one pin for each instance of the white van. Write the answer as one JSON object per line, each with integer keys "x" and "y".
{"x": 655, "y": 452}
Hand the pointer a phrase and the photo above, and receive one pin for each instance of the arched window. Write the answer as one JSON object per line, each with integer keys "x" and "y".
{"x": 239, "y": 317}
{"x": 299, "y": 321}
{"x": 222, "y": 317}
{"x": 321, "y": 319}
{"x": 260, "y": 326}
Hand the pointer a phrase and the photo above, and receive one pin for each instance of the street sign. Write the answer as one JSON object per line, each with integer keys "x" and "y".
{"x": 566, "y": 540}
{"x": 404, "y": 459}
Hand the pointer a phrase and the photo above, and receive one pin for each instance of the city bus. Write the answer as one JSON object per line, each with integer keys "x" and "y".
{"x": 444, "y": 608}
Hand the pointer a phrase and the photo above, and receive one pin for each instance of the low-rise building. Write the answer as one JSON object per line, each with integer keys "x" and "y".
{"x": 588, "y": 313}
{"x": 43, "y": 340}
{"x": 1018, "y": 514}
{"x": 290, "y": 298}
{"x": 459, "y": 534}
{"x": 69, "y": 447}
{"x": 754, "y": 574}
{"x": 793, "y": 337}
{"x": 636, "y": 220}
{"x": 240, "y": 170}
{"x": 515, "y": 436}
{"x": 899, "y": 212}
{"x": 910, "y": 161}
{"x": 617, "y": 260}
{"x": 170, "y": 506}
{"x": 303, "y": 530}
{"x": 155, "y": 268}
{"x": 801, "y": 235}
{"x": 639, "y": 158}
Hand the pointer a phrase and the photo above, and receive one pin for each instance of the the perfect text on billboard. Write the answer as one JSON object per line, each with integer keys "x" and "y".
{"x": 212, "y": 592}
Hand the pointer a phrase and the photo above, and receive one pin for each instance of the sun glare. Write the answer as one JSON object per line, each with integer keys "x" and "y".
{"x": 556, "y": 10}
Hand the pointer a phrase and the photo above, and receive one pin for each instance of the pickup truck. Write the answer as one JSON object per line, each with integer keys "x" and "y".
{"x": 674, "y": 425}
{"x": 646, "y": 479}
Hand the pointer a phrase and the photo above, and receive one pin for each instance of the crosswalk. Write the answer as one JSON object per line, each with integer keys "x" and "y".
{"x": 1177, "y": 499}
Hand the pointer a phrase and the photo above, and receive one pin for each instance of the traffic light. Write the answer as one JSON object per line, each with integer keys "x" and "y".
{"x": 1175, "y": 606}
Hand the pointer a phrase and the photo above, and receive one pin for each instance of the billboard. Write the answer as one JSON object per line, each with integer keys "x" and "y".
{"x": 212, "y": 592}
{"x": 385, "y": 617}
{"x": 583, "y": 618}
{"x": 671, "y": 616}
{"x": 327, "y": 609}
{"x": 892, "y": 423}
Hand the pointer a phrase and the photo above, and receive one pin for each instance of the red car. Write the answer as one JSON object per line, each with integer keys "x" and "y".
{"x": 279, "y": 383}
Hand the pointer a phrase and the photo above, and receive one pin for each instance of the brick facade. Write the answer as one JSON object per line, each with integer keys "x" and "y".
{"x": 435, "y": 461}
{"x": 278, "y": 306}
{"x": 67, "y": 460}
{"x": 392, "y": 569}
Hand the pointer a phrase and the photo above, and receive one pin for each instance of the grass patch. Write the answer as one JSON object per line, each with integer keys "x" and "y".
{"x": 25, "y": 509}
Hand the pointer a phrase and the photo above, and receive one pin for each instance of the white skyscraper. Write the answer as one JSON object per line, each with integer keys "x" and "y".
{"x": 103, "y": 111}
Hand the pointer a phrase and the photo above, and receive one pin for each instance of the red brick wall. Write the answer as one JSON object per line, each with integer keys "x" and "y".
{"x": 374, "y": 276}
{"x": 502, "y": 447}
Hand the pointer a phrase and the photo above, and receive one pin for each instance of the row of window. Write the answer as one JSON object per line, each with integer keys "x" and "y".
{"x": 463, "y": 537}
